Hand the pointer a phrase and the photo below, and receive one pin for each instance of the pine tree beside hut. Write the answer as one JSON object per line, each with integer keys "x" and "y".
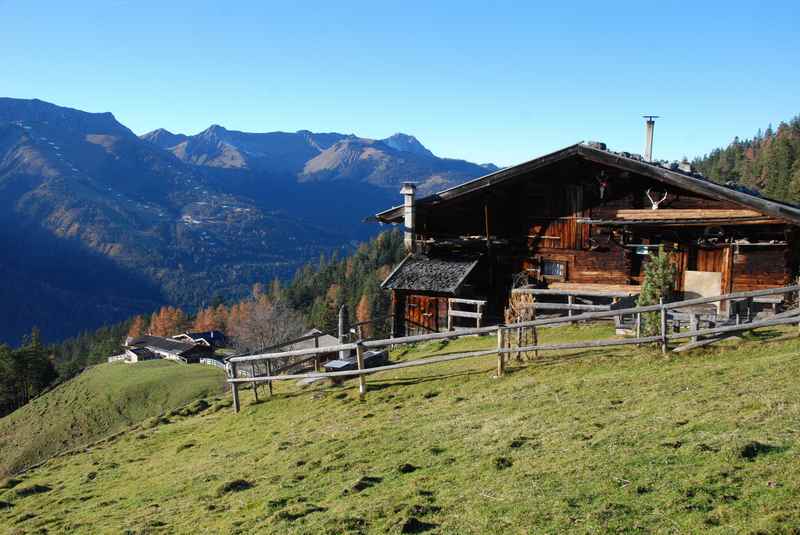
{"x": 658, "y": 284}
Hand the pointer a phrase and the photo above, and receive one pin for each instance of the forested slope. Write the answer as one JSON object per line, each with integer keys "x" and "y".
{"x": 769, "y": 162}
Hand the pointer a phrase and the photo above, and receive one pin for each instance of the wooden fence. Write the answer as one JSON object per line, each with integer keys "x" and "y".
{"x": 501, "y": 351}
{"x": 476, "y": 315}
{"x": 212, "y": 362}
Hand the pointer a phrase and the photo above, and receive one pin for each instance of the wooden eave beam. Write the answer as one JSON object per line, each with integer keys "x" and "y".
{"x": 686, "y": 222}
{"x": 684, "y": 213}
{"x": 695, "y": 185}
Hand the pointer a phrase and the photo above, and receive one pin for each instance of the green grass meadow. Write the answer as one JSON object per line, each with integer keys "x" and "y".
{"x": 102, "y": 400}
{"x": 618, "y": 440}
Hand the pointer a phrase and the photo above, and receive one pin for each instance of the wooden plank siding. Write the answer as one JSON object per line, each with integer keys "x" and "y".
{"x": 608, "y": 267}
{"x": 758, "y": 269}
{"x": 423, "y": 312}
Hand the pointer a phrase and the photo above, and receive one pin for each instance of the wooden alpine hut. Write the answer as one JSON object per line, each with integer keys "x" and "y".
{"x": 581, "y": 221}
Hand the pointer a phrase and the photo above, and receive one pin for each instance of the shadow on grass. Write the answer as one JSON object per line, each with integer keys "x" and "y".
{"x": 373, "y": 386}
{"x": 762, "y": 336}
{"x": 377, "y": 386}
{"x": 513, "y": 367}
{"x": 552, "y": 360}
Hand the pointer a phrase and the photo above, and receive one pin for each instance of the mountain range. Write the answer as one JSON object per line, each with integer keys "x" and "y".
{"x": 99, "y": 223}
{"x": 308, "y": 157}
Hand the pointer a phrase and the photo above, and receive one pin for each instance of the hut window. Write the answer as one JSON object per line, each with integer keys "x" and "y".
{"x": 552, "y": 269}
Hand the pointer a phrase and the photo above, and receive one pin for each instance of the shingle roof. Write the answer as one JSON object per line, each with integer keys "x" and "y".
{"x": 165, "y": 344}
{"x": 325, "y": 340}
{"x": 140, "y": 351}
{"x": 212, "y": 337}
{"x": 595, "y": 152}
{"x": 206, "y": 334}
{"x": 430, "y": 274}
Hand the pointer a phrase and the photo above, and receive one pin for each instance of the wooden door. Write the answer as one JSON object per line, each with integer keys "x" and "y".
{"x": 719, "y": 259}
{"x": 714, "y": 260}
{"x": 422, "y": 313}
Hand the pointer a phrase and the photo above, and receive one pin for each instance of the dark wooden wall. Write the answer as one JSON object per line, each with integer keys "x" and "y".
{"x": 610, "y": 266}
{"x": 759, "y": 268}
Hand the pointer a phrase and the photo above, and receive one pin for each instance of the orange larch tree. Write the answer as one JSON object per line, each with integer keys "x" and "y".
{"x": 364, "y": 313}
{"x": 137, "y": 327}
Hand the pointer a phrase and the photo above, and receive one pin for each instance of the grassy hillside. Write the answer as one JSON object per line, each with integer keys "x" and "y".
{"x": 619, "y": 440}
{"x": 102, "y": 400}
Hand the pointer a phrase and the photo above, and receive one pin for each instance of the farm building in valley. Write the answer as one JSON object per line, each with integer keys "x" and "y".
{"x": 212, "y": 339}
{"x": 581, "y": 221}
{"x": 148, "y": 347}
{"x": 139, "y": 354}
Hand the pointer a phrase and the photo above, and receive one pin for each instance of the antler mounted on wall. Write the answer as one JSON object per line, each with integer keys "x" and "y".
{"x": 655, "y": 203}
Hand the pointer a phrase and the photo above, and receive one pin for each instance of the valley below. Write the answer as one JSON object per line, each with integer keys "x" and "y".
{"x": 102, "y": 224}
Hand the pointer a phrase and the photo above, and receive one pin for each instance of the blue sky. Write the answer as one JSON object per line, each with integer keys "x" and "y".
{"x": 485, "y": 81}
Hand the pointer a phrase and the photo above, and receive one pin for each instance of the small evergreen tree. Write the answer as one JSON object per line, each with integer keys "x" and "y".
{"x": 659, "y": 283}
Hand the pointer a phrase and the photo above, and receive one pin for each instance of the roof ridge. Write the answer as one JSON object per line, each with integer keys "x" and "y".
{"x": 592, "y": 151}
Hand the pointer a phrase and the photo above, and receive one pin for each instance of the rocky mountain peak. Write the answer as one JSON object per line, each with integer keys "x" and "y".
{"x": 406, "y": 143}
{"x": 214, "y": 131}
{"x": 163, "y": 138}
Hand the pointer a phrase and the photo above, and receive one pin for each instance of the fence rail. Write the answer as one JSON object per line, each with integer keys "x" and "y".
{"x": 542, "y": 305}
{"x": 663, "y": 337}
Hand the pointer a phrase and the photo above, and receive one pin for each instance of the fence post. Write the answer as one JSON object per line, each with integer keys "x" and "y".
{"x": 362, "y": 382}
{"x": 269, "y": 372}
{"x": 449, "y": 315}
{"x": 694, "y": 324}
{"x": 638, "y": 325}
{"x": 535, "y": 331}
{"x": 235, "y": 388}
{"x": 663, "y": 326}
{"x": 570, "y": 302}
{"x": 316, "y": 355}
{"x": 253, "y": 375}
{"x": 501, "y": 365}
{"x": 342, "y": 313}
